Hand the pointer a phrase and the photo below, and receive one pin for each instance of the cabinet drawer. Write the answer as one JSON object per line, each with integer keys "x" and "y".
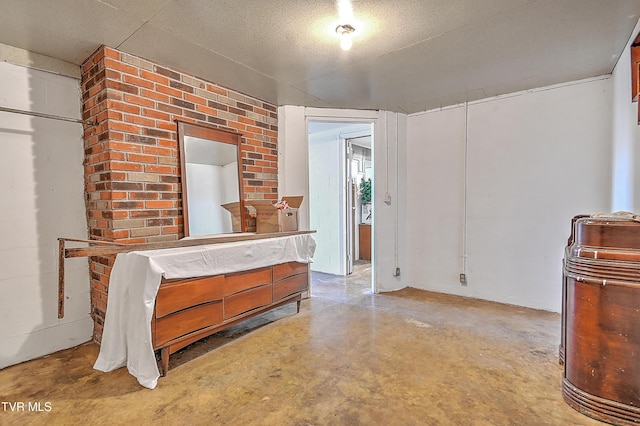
{"x": 247, "y": 300}
{"x": 175, "y": 296}
{"x": 285, "y": 270}
{"x": 187, "y": 321}
{"x": 288, "y": 286}
{"x": 239, "y": 281}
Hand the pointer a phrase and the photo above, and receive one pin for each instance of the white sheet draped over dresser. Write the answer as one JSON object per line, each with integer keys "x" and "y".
{"x": 136, "y": 277}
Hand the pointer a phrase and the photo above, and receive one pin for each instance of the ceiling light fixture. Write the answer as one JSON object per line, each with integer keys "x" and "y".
{"x": 344, "y": 31}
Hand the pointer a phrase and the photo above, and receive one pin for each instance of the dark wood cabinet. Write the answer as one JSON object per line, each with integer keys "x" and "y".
{"x": 188, "y": 310}
{"x": 601, "y": 319}
{"x": 365, "y": 241}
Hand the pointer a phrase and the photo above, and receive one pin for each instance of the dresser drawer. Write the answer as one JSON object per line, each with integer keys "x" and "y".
{"x": 175, "y": 296}
{"x": 247, "y": 300}
{"x": 288, "y": 286}
{"x": 187, "y": 321}
{"x": 285, "y": 270}
{"x": 239, "y": 281}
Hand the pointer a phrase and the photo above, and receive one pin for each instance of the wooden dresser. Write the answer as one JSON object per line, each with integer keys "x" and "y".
{"x": 188, "y": 310}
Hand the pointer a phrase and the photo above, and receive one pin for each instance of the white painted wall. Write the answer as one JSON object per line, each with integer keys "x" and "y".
{"x": 293, "y": 158}
{"x": 533, "y": 161}
{"x": 293, "y": 178}
{"x": 435, "y": 200}
{"x": 326, "y": 197}
{"x": 626, "y": 136}
{"x": 390, "y": 226}
{"x": 41, "y": 199}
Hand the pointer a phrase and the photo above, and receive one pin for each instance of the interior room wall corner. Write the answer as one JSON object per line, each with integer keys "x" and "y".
{"x": 625, "y": 136}
{"x": 390, "y": 200}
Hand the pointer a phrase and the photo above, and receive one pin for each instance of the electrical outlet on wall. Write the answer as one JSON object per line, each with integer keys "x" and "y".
{"x": 463, "y": 279}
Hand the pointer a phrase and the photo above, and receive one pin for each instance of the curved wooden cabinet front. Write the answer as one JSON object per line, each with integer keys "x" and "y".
{"x": 191, "y": 309}
{"x": 602, "y": 314}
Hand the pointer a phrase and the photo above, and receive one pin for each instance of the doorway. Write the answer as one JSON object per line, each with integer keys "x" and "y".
{"x": 360, "y": 211}
{"x": 340, "y": 167}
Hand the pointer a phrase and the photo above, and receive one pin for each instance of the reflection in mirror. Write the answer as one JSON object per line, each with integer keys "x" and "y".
{"x": 212, "y": 196}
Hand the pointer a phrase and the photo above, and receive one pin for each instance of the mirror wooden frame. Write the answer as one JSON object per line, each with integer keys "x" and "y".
{"x": 214, "y": 135}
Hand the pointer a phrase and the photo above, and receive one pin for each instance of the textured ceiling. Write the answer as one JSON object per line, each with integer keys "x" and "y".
{"x": 407, "y": 55}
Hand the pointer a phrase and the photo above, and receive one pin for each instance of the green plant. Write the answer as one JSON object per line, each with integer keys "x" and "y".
{"x": 365, "y": 191}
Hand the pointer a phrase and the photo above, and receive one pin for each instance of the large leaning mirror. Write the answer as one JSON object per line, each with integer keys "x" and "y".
{"x": 211, "y": 170}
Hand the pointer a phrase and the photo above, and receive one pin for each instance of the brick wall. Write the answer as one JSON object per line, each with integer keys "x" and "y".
{"x": 132, "y": 173}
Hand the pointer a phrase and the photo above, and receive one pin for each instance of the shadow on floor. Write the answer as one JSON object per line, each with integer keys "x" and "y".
{"x": 329, "y": 286}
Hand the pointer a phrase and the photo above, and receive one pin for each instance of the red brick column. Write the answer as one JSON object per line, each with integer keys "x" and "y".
{"x": 132, "y": 175}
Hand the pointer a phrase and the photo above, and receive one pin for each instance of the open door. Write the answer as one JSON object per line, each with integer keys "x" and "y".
{"x": 352, "y": 196}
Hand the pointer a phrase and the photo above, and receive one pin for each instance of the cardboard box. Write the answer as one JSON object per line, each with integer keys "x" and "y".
{"x": 236, "y": 220}
{"x": 270, "y": 219}
{"x": 266, "y": 216}
{"x": 289, "y": 217}
{"x": 251, "y": 222}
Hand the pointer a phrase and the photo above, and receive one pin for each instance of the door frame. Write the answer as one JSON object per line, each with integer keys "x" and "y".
{"x": 371, "y": 131}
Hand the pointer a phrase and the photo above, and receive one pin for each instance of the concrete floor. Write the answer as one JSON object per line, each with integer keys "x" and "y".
{"x": 348, "y": 358}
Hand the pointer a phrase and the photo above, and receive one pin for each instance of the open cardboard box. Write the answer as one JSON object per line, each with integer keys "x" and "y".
{"x": 236, "y": 218}
{"x": 270, "y": 219}
{"x": 234, "y": 209}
